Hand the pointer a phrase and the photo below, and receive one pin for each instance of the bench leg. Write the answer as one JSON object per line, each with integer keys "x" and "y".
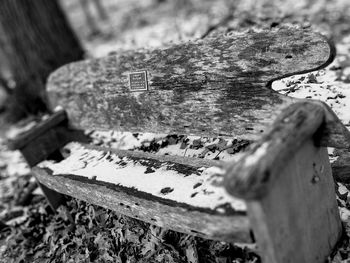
{"x": 55, "y": 199}
{"x": 298, "y": 220}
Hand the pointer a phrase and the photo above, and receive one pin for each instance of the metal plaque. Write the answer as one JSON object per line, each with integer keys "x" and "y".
{"x": 138, "y": 81}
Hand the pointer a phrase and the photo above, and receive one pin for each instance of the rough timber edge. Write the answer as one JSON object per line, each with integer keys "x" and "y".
{"x": 184, "y": 167}
{"x": 210, "y": 226}
{"x": 331, "y": 46}
{"x": 327, "y": 44}
{"x": 299, "y": 212}
{"x": 254, "y": 174}
{"x": 334, "y": 133}
{"x": 331, "y": 57}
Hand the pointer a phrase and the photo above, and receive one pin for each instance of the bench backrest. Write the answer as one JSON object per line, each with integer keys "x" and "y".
{"x": 207, "y": 87}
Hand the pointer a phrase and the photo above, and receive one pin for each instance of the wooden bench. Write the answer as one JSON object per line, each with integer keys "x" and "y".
{"x": 278, "y": 193}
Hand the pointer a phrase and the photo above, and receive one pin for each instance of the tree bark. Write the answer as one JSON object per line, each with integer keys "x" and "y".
{"x": 36, "y": 40}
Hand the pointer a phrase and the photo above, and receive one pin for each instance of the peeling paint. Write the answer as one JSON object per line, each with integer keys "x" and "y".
{"x": 200, "y": 189}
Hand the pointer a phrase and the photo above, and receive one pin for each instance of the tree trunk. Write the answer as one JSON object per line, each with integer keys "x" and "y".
{"x": 36, "y": 39}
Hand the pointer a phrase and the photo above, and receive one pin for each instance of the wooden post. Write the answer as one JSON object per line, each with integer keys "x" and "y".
{"x": 286, "y": 180}
{"x": 298, "y": 219}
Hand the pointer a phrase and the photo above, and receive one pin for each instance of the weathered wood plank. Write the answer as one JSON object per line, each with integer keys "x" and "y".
{"x": 256, "y": 172}
{"x": 91, "y": 185}
{"x": 45, "y": 138}
{"x": 206, "y": 87}
{"x": 172, "y": 144}
{"x": 22, "y": 140}
{"x": 177, "y": 183}
{"x": 195, "y": 149}
{"x": 298, "y": 219}
{"x": 42, "y": 146}
{"x": 176, "y": 196}
{"x": 187, "y": 161}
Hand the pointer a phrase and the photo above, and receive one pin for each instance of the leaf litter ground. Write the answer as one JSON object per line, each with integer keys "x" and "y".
{"x": 83, "y": 232}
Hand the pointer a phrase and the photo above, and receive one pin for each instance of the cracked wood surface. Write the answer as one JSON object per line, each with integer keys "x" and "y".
{"x": 253, "y": 176}
{"x": 192, "y": 184}
{"x": 205, "y": 87}
{"x": 152, "y": 188}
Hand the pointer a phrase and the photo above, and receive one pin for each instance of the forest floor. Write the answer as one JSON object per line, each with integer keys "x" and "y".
{"x": 36, "y": 234}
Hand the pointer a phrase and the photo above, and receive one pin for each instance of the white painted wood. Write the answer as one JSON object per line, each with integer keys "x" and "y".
{"x": 202, "y": 188}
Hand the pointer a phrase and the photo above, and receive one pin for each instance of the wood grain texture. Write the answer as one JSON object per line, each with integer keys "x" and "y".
{"x": 56, "y": 119}
{"x": 45, "y": 138}
{"x": 42, "y": 146}
{"x": 50, "y": 141}
{"x": 188, "y": 185}
{"x": 179, "y": 218}
{"x": 181, "y": 160}
{"x": 298, "y": 219}
{"x": 256, "y": 172}
{"x": 205, "y": 87}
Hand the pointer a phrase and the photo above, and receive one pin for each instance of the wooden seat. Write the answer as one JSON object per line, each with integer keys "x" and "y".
{"x": 166, "y": 191}
{"x": 281, "y": 188}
